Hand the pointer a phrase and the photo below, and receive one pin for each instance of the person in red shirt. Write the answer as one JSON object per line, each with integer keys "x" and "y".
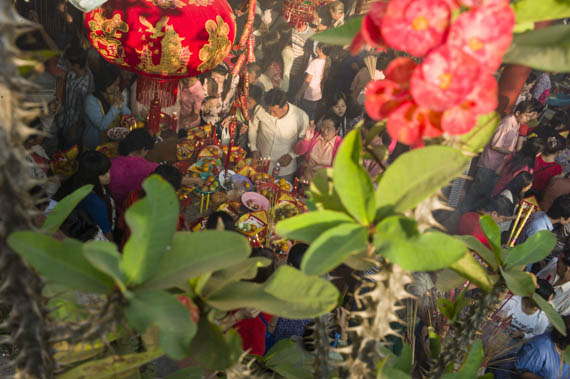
{"x": 545, "y": 166}
{"x": 499, "y": 209}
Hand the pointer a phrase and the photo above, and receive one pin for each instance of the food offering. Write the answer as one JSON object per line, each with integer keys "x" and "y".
{"x": 211, "y": 184}
{"x": 253, "y": 223}
{"x": 285, "y": 210}
{"x": 63, "y": 163}
{"x": 211, "y": 151}
{"x": 255, "y": 202}
{"x": 184, "y": 195}
{"x": 284, "y": 185}
{"x": 238, "y": 153}
{"x": 206, "y": 165}
{"x": 110, "y": 149}
{"x": 225, "y": 178}
{"x": 232, "y": 208}
{"x": 118, "y": 133}
{"x": 262, "y": 177}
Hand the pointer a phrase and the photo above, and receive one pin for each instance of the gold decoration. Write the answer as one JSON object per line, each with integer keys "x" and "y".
{"x": 218, "y": 46}
{"x": 109, "y": 40}
{"x": 174, "y": 57}
{"x": 180, "y": 3}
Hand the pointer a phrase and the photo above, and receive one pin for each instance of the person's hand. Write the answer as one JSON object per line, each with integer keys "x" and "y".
{"x": 53, "y": 106}
{"x": 298, "y": 96}
{"x": 285, "y": 160}
{"x": 256, "y": 154}
{"x": 310, "y": 133}
{"x": 243, "y": 129}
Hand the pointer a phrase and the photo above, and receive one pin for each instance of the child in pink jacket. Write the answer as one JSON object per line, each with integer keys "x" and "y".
{"x": 320, "y": 146}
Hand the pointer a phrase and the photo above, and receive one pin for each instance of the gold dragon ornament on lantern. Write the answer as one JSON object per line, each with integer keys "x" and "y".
{"x": 218, "y": 46}
{"x": 179, "y": 3}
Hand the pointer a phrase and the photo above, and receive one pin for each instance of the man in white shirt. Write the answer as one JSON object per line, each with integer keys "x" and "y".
{"x": 275, "y": 133}
{"x": 557, "y": 273}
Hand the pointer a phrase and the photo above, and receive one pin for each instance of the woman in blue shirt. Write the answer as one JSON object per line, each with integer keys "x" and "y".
{"x": 94, "y": 168}
{"x": 104, "y": 107}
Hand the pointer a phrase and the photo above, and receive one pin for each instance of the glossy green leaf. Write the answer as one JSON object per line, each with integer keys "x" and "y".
{"x": 288, "y": 293}
{"x": 307, "y": 227}
{"x": 110, "y": 367}
{"x": 212, "y": 349}
{"x": 187, "y": 373}
{"x": 404, "y": 361}
{"x": 62, "y": 210}
{"x": 341, "y": 35}
{"x": 493, "y": 234}
{"x": 553, "y": 316}
{"x": 534, "y": 249}
{"x": 169, "y": 315}
{"x": 399, "y": 242}
{"x": 566, "y": 356}
{"x": 60, "y": 261}
{"x": 105, "y": 257}
{"x": 532, "y": 11}
{"x": 519, "y": 282}
{"x": 352, "y": 182}
{"x": 143, "y": 251}
{"x": 470, "y": 269}
{"x": 472, "y": 363}
{"x": 246, "y": 269}
{"x": 333, "y": 246}
{"x": 322, "y": 192}
{"x": 476, "y": 140}
{"x": 418, "y": 174}
{"x": 287, "y": 359}
{"x": 193, "y": 254}
{"x": 446, "y": 308}
{"x": 546, "y": 49}
{"x": 378, "y": 128}
{"x": 448, "y": 280}
{"x": 481, "y": 250}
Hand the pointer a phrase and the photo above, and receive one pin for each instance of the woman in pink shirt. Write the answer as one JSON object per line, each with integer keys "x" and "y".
{"x": 320, "y": 146}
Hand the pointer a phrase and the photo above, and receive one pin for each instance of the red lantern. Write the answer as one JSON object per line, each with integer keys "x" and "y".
{"x": 163, "y": 40}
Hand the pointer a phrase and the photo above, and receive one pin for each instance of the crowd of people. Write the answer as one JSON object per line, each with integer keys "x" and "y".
{"x": 304, "y": 98}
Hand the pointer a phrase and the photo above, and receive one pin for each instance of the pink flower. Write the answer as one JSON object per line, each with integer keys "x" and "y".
{"x": 484, "y": 3}
{"x": 409, "y": 124}
{"x": 444, "y": 79}
{"x": 370, "y": 30}
{"x": 383, "y": 96}
{"x": 485, "y": 33}
{"x": 482, "y": 100}
{"x": 416, "y": 26}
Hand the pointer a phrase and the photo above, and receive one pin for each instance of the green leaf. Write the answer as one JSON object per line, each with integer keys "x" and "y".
{"x": 246, "y": 269}
{"x": 472, "y": 363}
{"x": 519, "y": 282}
{"x": 194, "y": 254}
{"x": 476, "y": 140}
{"x": 287, "y": 358}
{"x": 288, "y": 293}
{"x": 392, "y": 373}
{"x": 110, "y": 367}
{"x": 534, "y": 249}
{"x": 493, "y": 234}
{"x": 360, "y": 261}
{"x": 187, "y": 373}
{"x": 378, "y": 128}
{"x": 322, "y": 192}
{"x": 470, "y": 269}
{"x": 448, "y": 280}
{"x": 546, "y": 49}
{"x": 152, "y": 221}
{"x": 351, "y": 180}
{"x": 566, "y": 355}
{"x": 62, "y": 210}
{"x": 105, "y": 257}
{"x": 446, "y": 308}
{"x": 532, "y": 11}
{"x": 553, "y": 316}
{"x": 418, "y": 174}
{"x": 397, "y": 240}
{"x": 333, "y": 246}
{"x": 434, "y": 342}
{"x": 169, "y": 315}
{"x": 342, "y": 35}
{"x": 404, "y": 361}
{"x": 307, "y": 227}
{"x": 481, "y": 250}
{"x": 212, "y": 349}
{"x": 60, "y": 261}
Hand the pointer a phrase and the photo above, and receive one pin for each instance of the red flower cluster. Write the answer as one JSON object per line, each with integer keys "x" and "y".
{"x": 454, "y": 83}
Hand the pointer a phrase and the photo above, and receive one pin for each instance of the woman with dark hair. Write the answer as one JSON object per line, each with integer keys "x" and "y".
{"x": 346, "y": 111}
{"x": 515, "y": 190}
{"x": 130, "y": 168}
{"x": 519, "y": 162}
{"x": 104, "y": 107}
{"x": 546, "y": 166}
{"x": 94, "y": 169}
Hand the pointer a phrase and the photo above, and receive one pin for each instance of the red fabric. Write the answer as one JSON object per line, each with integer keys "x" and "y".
{"x": 469, "y": 225}
{"x": 142, "y": 37}
{"x": 506, "y": 177}
{"x": 543, "y": 172}
{"x": 252, "y": 332}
